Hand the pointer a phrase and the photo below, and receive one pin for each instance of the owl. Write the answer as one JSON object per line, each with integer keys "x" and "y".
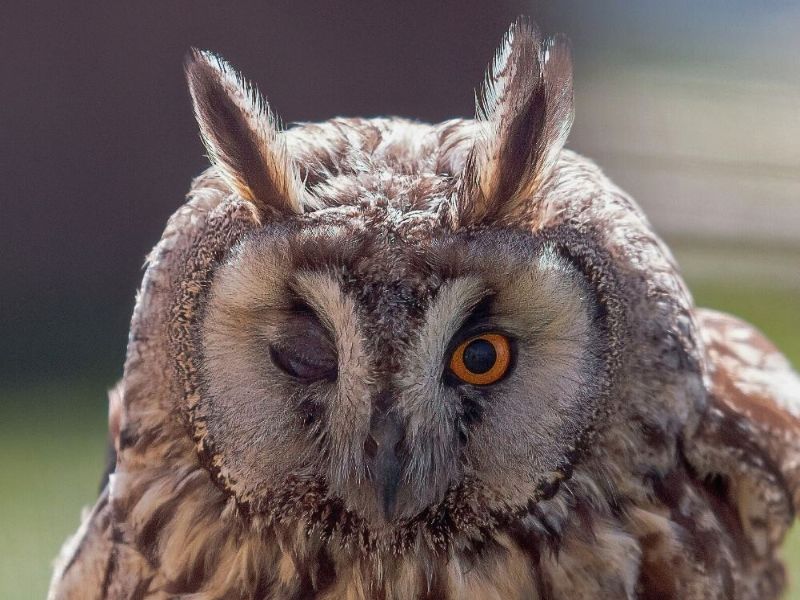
{"x": 381, "y": 359}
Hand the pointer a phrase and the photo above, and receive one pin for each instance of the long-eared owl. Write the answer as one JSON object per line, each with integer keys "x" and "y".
{"x": 376, "y": 358}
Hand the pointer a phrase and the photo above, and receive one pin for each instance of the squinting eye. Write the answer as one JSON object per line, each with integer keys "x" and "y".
{"x": 482, "y": 359}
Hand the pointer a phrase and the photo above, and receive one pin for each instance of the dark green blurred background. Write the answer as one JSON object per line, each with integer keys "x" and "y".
{"x": 693, "y": 109}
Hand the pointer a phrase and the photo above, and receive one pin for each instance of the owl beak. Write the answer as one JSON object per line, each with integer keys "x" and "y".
{"x": 382, "y": 449}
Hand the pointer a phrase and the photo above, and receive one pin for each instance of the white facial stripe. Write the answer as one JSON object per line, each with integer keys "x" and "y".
{"x": 425, "y": 404}
{"x": 349, "y": 415}
{"x": 445, "y": 316}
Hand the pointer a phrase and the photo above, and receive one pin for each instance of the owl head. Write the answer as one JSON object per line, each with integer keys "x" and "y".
{"x": 390, "y": 335}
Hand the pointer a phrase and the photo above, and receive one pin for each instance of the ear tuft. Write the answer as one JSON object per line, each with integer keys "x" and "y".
{"x": 525, "y": 110}
{"x": 241, "y": 136}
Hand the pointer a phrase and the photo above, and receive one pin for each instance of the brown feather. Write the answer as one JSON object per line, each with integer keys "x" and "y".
{"x": 241, "y": 136}
{"x": 750, "y": 434}
{"x": 525, "y": 113}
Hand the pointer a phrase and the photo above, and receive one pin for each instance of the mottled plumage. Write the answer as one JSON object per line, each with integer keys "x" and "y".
{"x": 288, "y": 427}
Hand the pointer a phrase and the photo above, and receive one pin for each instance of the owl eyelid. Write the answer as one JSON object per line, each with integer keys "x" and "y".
{"x": 303, "y": 350}
{"x": 472, "y": 330}
{"x": 301, "y": 365}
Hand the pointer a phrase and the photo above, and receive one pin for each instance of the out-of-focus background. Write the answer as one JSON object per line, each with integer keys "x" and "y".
{"x": 692, "y": 107}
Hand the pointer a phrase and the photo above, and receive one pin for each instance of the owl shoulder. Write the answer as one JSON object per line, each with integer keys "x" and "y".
{"x": 749, "y": 435}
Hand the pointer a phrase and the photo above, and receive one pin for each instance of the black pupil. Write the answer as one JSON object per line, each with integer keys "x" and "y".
{"x": 479, "y": 356}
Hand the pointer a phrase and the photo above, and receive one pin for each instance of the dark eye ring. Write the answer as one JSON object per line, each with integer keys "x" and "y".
{"x": 483, "y": 359}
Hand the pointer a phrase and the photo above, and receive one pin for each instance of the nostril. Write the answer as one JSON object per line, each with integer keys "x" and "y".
{"x": 370, "y": 446}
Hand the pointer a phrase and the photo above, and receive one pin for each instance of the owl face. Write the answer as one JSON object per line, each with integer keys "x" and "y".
{"x": 391, "y": 367}
{"x": 394, "y": 337}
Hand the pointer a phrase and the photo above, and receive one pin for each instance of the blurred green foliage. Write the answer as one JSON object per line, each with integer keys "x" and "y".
{"x": 52, "y": 448}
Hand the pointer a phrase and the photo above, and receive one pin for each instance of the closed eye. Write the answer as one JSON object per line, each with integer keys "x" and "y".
{"x": 305, "y": 366}
{"x": 304, "y": 351}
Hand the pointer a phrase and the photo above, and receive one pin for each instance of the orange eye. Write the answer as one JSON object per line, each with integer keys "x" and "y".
{"x": 482, "y": 359}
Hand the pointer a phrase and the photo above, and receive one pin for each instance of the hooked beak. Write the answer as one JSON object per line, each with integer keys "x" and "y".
{"x": 382, "y": 449}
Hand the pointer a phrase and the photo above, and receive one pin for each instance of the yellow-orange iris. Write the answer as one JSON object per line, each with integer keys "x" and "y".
{"x": 478, "y": 354}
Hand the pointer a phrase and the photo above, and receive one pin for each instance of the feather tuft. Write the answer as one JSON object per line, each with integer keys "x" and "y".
{"x": 525, "y": 112}
{"x": 242, "y": 136}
